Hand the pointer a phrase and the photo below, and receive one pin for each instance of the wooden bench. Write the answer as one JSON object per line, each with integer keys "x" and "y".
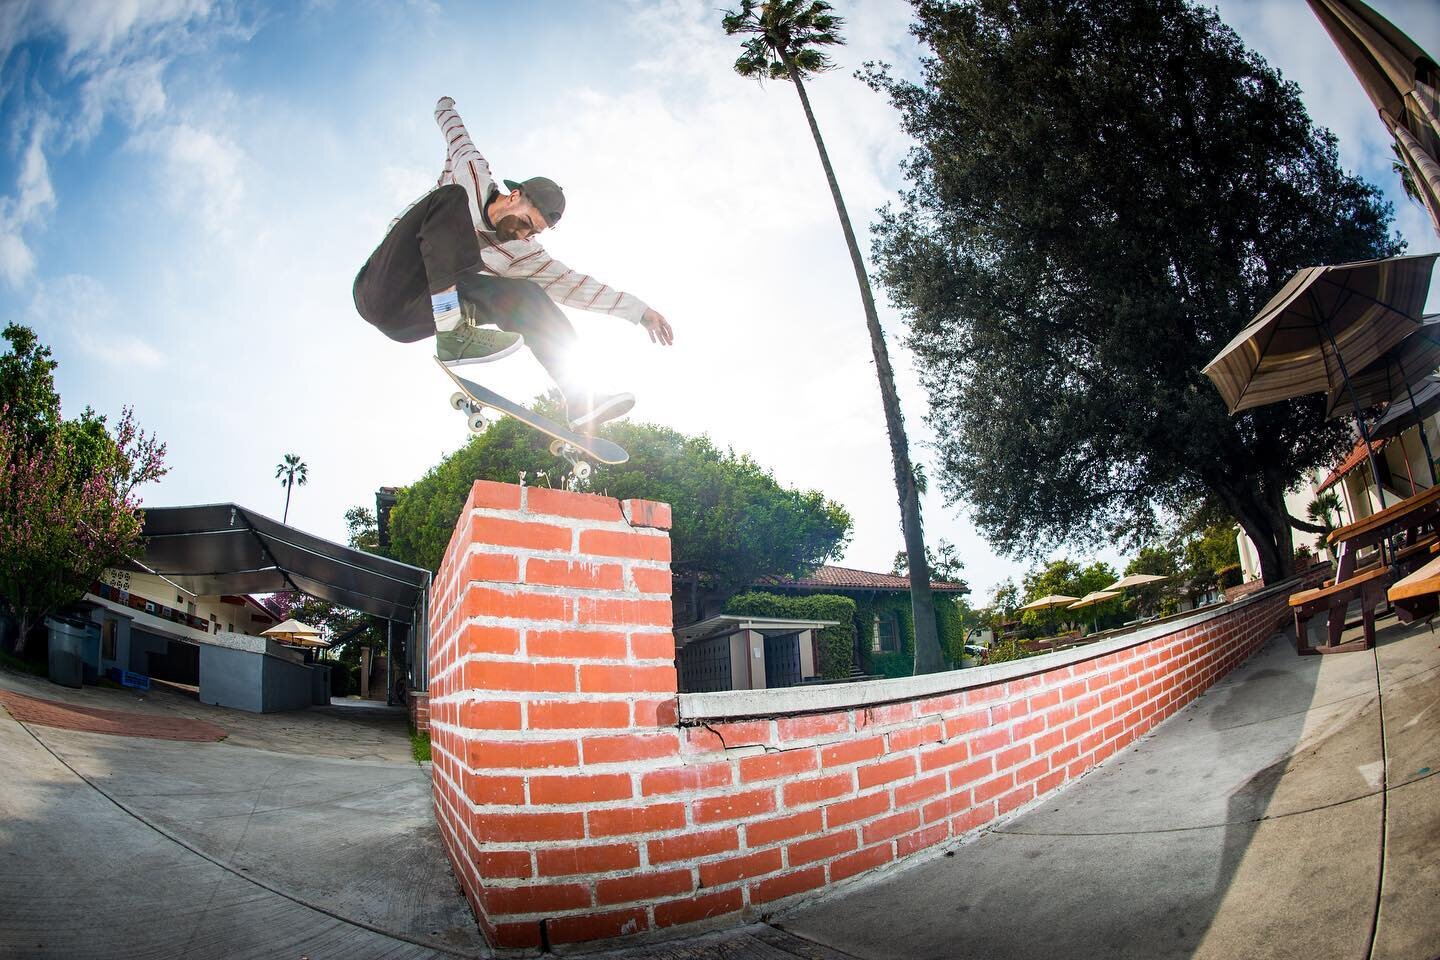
{"x": 1417, "y": 551}
{"x": 1418, "y": 595}
{"x": 1333, "y": 600}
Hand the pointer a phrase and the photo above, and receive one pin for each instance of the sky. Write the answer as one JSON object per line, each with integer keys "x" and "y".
{"x": 187, "y": 188}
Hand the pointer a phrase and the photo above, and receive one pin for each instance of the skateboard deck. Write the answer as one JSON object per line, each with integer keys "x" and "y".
{"x": 564, "y": 441}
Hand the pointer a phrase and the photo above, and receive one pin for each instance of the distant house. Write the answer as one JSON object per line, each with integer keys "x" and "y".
{"x": 720, "y": 651}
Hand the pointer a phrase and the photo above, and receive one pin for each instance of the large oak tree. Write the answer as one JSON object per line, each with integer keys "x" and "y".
{"x": 1102, "y": 195}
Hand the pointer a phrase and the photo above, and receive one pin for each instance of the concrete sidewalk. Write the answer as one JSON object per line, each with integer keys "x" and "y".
{"x": 119, "y": 846}
{"x": 1293, "y": 811}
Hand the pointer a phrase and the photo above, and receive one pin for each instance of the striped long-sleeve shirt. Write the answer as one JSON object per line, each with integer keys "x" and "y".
{"x": 523, "y": 259}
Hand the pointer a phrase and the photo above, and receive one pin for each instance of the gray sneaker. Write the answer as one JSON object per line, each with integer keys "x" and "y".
{"x": 471, "y": 344}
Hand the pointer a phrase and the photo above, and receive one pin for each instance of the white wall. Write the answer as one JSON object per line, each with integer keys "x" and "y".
{"x": 232, "y": 618}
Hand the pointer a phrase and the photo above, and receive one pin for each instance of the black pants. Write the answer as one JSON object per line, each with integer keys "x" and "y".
{"x": 432, "y": 248}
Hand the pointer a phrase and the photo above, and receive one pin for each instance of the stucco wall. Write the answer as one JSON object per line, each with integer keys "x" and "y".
{"x": 580, "y": 797}
{"x": 243, "y": 679}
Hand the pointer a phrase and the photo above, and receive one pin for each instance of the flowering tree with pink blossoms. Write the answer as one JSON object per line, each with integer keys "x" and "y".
{"x": 68, "y": 506}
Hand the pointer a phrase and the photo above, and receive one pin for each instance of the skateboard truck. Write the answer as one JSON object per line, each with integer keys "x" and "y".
{"x": 476, "y": 422}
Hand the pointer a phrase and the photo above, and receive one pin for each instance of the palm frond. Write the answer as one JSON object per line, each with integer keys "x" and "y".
{"x": 784, "y": 31}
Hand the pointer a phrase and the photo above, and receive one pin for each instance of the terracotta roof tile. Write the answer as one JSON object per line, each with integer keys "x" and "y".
{"x": 1356, "y": 457}
{"x": 847, "y": 578}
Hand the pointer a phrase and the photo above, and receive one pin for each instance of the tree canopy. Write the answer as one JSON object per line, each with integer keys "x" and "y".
{"x": 1103, "y": 194}
{"x": 68, "y": 507}
{"x": 732, "y": 521}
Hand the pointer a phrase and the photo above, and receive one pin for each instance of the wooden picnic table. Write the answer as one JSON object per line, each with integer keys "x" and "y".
{"x": 1408, "y": 515}
{"x": 1417, "y": 595}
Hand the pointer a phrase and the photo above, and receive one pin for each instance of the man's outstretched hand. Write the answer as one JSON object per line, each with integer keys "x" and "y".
{"x": 658, "y": 328}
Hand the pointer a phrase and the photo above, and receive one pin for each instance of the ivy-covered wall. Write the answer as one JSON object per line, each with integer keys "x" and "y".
{"x": 836, "y": 643}
{"x": 948, "y": 625}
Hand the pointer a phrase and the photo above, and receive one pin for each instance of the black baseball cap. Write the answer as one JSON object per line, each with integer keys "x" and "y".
{"x": 546, "y": 194}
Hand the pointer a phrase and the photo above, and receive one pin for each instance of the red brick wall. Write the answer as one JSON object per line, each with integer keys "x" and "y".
{"x": 420, "y": 711}
{"x": 576, "y": 806}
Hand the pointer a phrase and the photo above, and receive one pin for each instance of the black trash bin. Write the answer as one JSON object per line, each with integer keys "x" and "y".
{"x": 67, "y": 651}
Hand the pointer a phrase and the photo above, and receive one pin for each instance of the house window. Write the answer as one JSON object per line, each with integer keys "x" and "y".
{"x": 887, "y": 633}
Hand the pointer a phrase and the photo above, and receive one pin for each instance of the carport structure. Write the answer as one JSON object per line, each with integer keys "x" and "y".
{"x": 225, "y": 549}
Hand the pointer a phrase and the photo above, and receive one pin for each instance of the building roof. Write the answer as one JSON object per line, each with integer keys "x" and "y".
{"x": 1353, "y": 459}
{"x": 848, "y": 578}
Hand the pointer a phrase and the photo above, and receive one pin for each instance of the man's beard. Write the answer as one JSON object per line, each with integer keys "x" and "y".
{"x": 509, "y": 228}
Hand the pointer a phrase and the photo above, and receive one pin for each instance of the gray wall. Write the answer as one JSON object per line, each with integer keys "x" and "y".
{"x": 231, "y": 678}
{"x": 245, "y": 680}
{"x": 286, "y": 685}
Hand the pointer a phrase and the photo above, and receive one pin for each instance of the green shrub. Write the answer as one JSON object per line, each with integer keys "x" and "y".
{"x": 1007, "y": 649}
{"x": 419, "y": 746}
{"x": 1230, "y": 576}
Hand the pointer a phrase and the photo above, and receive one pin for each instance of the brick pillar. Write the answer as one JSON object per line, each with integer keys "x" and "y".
{"x": 419, "y": 711}
{"x": 552, "y": 677}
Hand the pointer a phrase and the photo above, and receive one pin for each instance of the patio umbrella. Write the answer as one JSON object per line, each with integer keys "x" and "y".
{"x": 1423, "y": 402}
{"x": 1048, "y": 601}
{"x": 1391, "y": 378}
{"x": 1400, "y": 79}
{"x": 1092, "y": 598}
{"x": 1135, "y": 580}
{"x": 293, "y": 631}
{"x": 1324, "y": 322}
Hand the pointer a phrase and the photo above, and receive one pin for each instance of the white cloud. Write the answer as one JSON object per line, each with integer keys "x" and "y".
{"x": 100, "y": 26}
{"x": 35, "y": 194}
{"x": 17, "y": 260}
{"x": 85, "y": 309}
{"x": 202, "y": 173}
{"x": 118, "y": 51}
{"x": 33, "y": 198}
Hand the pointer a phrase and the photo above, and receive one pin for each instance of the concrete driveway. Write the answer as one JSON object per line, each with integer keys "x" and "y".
{"x": 117, "y": 846}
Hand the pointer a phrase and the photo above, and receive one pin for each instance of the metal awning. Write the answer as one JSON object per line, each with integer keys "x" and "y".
{"x": 223, "y": 548}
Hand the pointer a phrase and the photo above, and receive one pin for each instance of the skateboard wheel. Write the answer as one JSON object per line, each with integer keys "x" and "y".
{"x": 476, "y": 422}
{"x": 556, "y": 446}
{"x": 582, "y": 470}
{"x": 459, "y": 401}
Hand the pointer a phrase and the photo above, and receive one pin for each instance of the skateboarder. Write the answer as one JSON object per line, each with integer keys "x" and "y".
{"x": 464, "y": 257}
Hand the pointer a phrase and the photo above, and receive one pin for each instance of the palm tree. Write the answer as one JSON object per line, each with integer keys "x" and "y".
{"x": 291, "y": 472}
{"x": 784, "y": 37}
{"x": 1406, "y": 175}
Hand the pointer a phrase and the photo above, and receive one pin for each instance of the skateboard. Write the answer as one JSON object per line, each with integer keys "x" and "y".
{"x": 564, "y": 442}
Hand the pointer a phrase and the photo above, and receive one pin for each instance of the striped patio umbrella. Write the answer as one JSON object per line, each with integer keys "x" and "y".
{"x": 1391, "y": 379}
{"x": 1404, "y": 414}
{"x": 1401, "y": 79}
{"x": 1325, "y": 322}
